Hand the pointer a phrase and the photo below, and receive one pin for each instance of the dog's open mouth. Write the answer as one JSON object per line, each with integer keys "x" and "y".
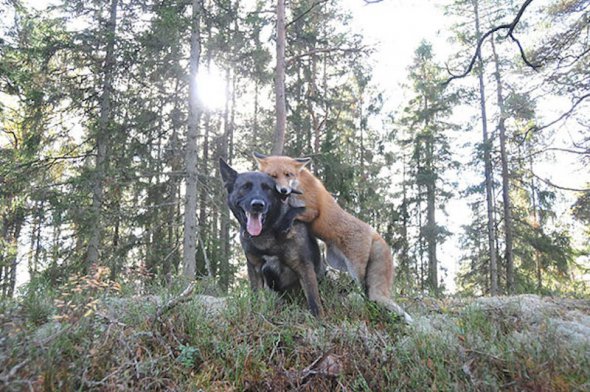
{"x": 254, "y": 223}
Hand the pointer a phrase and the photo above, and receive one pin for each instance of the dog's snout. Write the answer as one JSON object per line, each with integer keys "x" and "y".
{"x": 257, "y": 205}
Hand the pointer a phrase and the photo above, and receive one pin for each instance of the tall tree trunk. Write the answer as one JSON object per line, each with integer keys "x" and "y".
{"x": 431, "y": 223}
{"x": 509, "y": 255}
{"x": 281, "y": 105}
{"x": 223, "y": 270}
{"x": 487, "y": 147}
{"x": 116, "y": 262}
{"x": 19, "y": 219}
{"x": 419, "y": 219}
{"x": 255, "y": 125}
{"x": 537, "y": 223}
{"x": 362, "y": 198}
{"x": 37, "y": 224}
{"x": 175, "y": 162}
{"x": 190, "y": 160}
{"x": 405, "y": 246}
{"x": 12, "y": 223}
{"x": 103, "y": 135}
{"x": 204, "y": 230}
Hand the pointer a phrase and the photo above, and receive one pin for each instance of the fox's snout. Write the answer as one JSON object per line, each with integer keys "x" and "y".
{"x": 283, "y": 190}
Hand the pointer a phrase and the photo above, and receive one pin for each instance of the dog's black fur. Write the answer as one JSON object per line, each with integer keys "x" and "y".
{"x": 280, "y": 251}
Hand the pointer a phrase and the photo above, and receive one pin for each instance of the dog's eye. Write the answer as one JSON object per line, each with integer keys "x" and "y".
{"x": 245, "y": 188}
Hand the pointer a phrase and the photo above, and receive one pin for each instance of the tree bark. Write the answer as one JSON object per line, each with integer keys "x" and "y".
{"x": 36, "y": 226}
{"x": 431, "y": 223}
{"x": 102, "y": 140}
{"x": 255, "y": 125}
{"x": 537, "y": 223}
{"x": 487, "y": 147}
{"x": 19, "y": 220}
{"x": 280, "y": 103}
{"x": 204, "y": 215}
{"x": 405, "y": 246}
{"x": 190, "y": 160}
{"x": 223, "y": 270}
{"x": 509, "y": 255}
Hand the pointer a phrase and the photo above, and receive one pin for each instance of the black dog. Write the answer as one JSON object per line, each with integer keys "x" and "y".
{"x": 280, "y": 251}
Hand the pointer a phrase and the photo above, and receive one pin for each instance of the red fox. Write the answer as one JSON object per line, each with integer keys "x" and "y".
{"x": 352, "y": 245}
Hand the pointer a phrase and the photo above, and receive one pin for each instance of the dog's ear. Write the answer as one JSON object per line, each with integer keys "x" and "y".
{"x": 259, "y": 158}
{"x": 227, "y": 174}
{"x": 302, "y": 162}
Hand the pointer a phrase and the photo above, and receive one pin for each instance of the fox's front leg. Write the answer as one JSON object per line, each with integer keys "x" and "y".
{"x": 286, "y": 223}
{"x": 298, "y": 199}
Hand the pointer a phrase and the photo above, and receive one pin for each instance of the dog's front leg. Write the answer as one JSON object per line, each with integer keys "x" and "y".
{"x": 309, "y": 283}
{"x": 254, "y": 272}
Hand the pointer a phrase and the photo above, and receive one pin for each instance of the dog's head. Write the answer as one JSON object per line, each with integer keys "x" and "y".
{"x": 252, "y": 197}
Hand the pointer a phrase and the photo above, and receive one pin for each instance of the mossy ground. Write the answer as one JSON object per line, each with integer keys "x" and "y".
{"x": 105, "y": 338}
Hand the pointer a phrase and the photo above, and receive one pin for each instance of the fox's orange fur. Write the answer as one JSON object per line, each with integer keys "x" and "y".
{"x": 352, "y": 244}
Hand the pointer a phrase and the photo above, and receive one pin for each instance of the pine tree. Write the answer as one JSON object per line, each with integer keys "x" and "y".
{"x": 425, "y": 119}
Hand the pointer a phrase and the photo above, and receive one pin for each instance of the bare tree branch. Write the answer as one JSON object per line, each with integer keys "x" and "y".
{"x": 14, "y": 137}
{"x": 185, "y": 296}
{"x": 291, "y": 60}
{"x": 50, "y": 160}
{"x": 560, "y": 149}
{"x": 562, "y": 117}
{"x": 510, "y": 26}
{"x": 317, "y": 3}
{"x": 523, "y": 55}
{"x": 476, "y": 54}
{"x": 518, "y": 16}
{"x": 565, "y": 188}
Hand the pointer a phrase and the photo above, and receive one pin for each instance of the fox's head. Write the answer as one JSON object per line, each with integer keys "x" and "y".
{"x": 284, "y": 170}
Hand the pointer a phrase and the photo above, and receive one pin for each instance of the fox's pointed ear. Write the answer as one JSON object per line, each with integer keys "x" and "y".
{"x": 227, "y": 174}
{"x": 302, "y": 162}
{"x": 259, "y": 158}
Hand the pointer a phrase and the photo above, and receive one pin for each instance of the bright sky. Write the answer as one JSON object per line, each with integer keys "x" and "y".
{"x": 396, "y": 28}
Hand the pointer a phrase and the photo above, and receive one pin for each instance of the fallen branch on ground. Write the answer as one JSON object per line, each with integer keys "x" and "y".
{"x": 185, "y": 296}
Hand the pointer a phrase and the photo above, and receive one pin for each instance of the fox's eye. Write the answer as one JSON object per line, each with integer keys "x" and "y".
{"x": 288, "y": 175}
{"x": 274, "y": 176}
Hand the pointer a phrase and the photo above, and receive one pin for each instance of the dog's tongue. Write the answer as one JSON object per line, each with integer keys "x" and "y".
{"x": 254, "y": 224}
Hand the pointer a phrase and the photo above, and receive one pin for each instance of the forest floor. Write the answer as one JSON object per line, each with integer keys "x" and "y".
{"x": 96, "y": 335}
